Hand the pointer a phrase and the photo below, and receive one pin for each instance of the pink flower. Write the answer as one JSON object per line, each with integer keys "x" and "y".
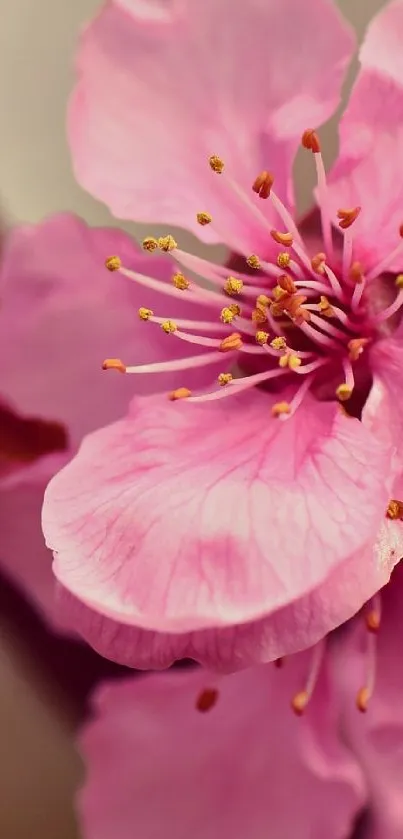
{"x": 179, "y": 754}
{"x": 241, "y": 523}
{"x": 60, "y": 313}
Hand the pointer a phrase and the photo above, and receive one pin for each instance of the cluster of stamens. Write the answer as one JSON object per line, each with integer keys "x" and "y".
{"x": 300, "y": 314}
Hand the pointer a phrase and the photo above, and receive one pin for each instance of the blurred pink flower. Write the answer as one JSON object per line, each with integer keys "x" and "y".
{"x": 181, "y": 755}
{"x": 60, "y": 313}
{"x": 244, "y": 522}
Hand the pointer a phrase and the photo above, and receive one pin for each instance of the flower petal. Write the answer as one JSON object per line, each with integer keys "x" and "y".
{"x": 247, "y": 767}
{"x": 62, "y": 313}
{"x": 215, "y": 91}
{"x": 371, "y": 142}
{"x": 376, "y": 738}
{"x": 184, "y": 516}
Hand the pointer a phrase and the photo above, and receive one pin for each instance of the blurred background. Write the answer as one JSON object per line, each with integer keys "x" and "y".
{"x": 41, "y": 696}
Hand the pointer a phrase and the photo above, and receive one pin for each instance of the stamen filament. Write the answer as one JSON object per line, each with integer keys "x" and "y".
{"x": 208, "y": 326}
{"x": 319, "y": 337}
{"x": 196, "y": 295}
{"x": 324, "y": 204}
{"x": 237, "y": 386}
{"x": 349, "y": 373}
{"x": 390, "y": 310}
{"x": 336, "y": 287}
{"x": 176, "y": 364}
{"x": 301, "y": 699}
{"x": 357, "y": 294}
{"x": 385, "y": 263}
{"x": 286, "y": 218}
{"x": 347, "y": 252}
{"x": 365, "y": 693}
{"x": 327, "y": 327}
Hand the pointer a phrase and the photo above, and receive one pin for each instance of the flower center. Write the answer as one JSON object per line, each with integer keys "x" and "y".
{"x": 294, "y": 319}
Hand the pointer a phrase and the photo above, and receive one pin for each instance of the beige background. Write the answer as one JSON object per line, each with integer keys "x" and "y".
{"x": 38, "y": 769}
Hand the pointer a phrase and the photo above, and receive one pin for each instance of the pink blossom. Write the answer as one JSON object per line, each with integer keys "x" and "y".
{"x": 246, "y": 520}
{"x": 181, "y": 754}
{"x": 60, "y": 313}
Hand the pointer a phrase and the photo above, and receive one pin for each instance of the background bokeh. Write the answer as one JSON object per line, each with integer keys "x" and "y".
{"x": 39, "y": 768}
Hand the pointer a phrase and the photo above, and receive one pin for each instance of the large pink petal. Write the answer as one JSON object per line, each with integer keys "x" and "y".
{"x": 157, "y": 767}
{"x": 371, "y": 153}
{"x": 185, "y": 516}
{"x": 376, "y": 738}
{"x": 62, "y": 313}
{"x": 162, "y": 86}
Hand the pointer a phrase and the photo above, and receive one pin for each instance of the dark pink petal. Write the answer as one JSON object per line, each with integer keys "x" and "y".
{"x": 184, "y": 516}
{"x": 159, "y": 768}
{"x": 367, "y": 172}
{"x": 162, "y": 86}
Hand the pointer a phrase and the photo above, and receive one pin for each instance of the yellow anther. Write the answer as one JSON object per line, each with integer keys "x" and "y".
{"x": 235, "y": 309}
{"x": 399, "y": 281}
{"x": 325, "y": 308}
{"x": 113, "y": 263}
{"x": 166, "y": 243}
{"x": 233, "y": 286}
{"x": 225, "y": 379}
{"x": 290, "y": 360}
{"x": 278, "y": 343}
{"x": 145, "y": 314}
{"x": 284, "y": 239}
{"x": 253, "y": 261}
{"x": 283, "y": 259}
{"x": 180, "y": 393}
{"x": 150, "y": 244}
{"x": 204, "y": 218}
{"x": 395, "y": 509}
{"x": 216, "y": 164}
{"x": 231, "y": 342}
{"x": 277, "y": 309}
{"x": 343, "y": 392}
{"x": 373, "y": 620}
{"x": 294, "y": 361}
{"x": 180, "y": 281}
{"x": 169, "y": 326}
{"x": 227, "y": 316}
{"x": 356, "y": 272}
{"x": 262, "y": 301}
{"x": 280, "y": 408}
{"x": 261, "y": 337}
{"x": 347, "y": 216}
{"x": 114, "y": 364}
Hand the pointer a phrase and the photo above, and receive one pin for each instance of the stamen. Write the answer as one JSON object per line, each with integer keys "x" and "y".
{"x": 284, "y": 239}
{"x": 319, "y": 337}
{"x": 173, "y": 365}
{"x": 180, "y": 282}
{"x": 349, "y": 374}
{"x": 390, "y": 310}
{"x": 145, "y": 314}
{"x": 114, "y": 364}
{"x": 150, "y": 244}
{"x": 225, "y": 379}
{"x": 283, "y": 260}
{"x": 347, "y": 216}
{"x": 197, "y": 294}
{"x": 318, "y": 263}
{"x": 253, "y": 261}
{"x": 356, "y": 272}
{"x": 395, "y": 510}
{"x": 167, "y": 243}
{"x": 204, "y": 218}
{"x": 113, "y": 263}
{"x": 310, "y": 140}
{"x": 216, "y": 164}
{"x": 233, "y": 286}
{"x": 343, "y": 392}
{"x": 336, "y": 287}
{"x": 301, "y": 699}
{"x": 231, "y": 343}
{"x": 373, "y": 613}
{"x": 238, "y": 385}
{"x": 184, "y": 323}
{"x": 327, "y": 327}
{"x": 263, "y": 184}
{"x": 280, "y": 409}
{"x": 365, "y": 693}
{"x": 357, "y": 293}
{"x": 179, "y": 393}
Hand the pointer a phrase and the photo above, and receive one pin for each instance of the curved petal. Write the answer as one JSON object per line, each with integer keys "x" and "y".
{"x": 371, "y": 142}
{"x": 248, "y": 767}
{"x": 23, "y": 554}
{"x": 62, "y": 313}
{"x": 184, "y": 516}
{"x": 376, "y": 738}
{"x": 215, "y": 90}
